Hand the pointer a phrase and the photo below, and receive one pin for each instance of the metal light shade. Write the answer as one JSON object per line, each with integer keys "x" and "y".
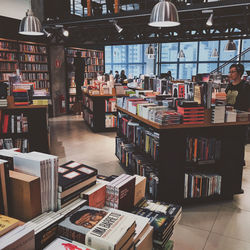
{"x": 215, "y": 53}
{"x": 47, "y": 33}
{"x": 231, "y": 46}
{"x": 150, "y": 50}
{"x": 118, "y": 28}
{"x": 181, "y": 54}
{"x": 210, "y": 20}
{"x": 164, "y": 14}
{"x": 30, "y": 25}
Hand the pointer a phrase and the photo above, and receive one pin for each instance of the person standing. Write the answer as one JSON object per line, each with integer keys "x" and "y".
{"x": 238, "y": 91}
{"x": 116, "y": 76}
{"x": 79, "y": 64}
{"x": 122, "y": 76}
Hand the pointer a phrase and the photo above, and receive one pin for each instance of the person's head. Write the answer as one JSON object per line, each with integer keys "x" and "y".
{"x": 169, "y": 73}
{"x": 110, "y": 72}
{"x": 123, "y": 72}
{"x": 236, "y": 71}
{"x": 116, "y": 72}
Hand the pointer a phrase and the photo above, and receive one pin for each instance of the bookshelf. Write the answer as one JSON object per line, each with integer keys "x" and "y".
{"x": 94, "y": 65}
{"x": 160, "y": 153}
{"x": 98, "y": 113}
{"x": 30, "y": 57}
{"x": 25, "y": 127}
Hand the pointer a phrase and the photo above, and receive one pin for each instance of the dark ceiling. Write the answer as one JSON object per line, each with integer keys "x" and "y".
{"x": 231, "y": 20}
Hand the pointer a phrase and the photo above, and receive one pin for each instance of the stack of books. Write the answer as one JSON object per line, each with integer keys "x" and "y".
{"x": 191, "y": 114}
{"x": 163, "y": 217}
{"x": 99, "y": 228}
{"x": 242, "y": 116}
{"x": 120, "y": 192}
{"x": 168, "y": 117}
{"x": 231, "y": 115}
{"x": 74, "y": 178}
{"x": 3, "y": 103}
{"x": 21, "y": 97}
{"x": 218, "y": 113}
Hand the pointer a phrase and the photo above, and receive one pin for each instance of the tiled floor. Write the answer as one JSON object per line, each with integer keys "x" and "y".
{"x": 220, "y": 225}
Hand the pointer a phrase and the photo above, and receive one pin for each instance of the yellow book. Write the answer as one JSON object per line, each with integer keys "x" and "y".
{"x": 7, "y": 224}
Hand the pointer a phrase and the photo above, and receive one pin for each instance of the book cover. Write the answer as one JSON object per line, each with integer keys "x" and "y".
{"x": 4, "y": 187}
{"x": 73, "y": 173}
{"x": 7, "y": 224}
{"x": 66, "y": 244}
{"x": 76, "y": 226}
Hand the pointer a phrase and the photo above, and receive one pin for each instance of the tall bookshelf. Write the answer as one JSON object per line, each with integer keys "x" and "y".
{"x": 160, "y": 153}
{"x": 31, "y": 58}
{"x": 20, "y": 128}
{"x": 99, "y": 113}
{"x": 8, "y": 58}
{"x": 94, "y": 64}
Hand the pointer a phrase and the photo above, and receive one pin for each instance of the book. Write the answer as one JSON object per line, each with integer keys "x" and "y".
{"x": 63, "y": 243}
{"x": 20, "y": 238}
{"x": 4, "y": 187}
{"x": 146, "y": 239}
{"x": 72, "y": 173}
{"x": 114, "y": 232}
{"x": 7, "y": 224}
{"x": 95, "y": 195}
{"x": 140, "y": 188}
{"x": 25, "y": 196}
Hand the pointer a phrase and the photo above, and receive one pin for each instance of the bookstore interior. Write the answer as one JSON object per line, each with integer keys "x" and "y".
{"x": 125, "y": 124}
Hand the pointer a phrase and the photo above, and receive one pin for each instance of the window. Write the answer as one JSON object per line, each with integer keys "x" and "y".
{"x": 227, "y": 55}
{"x": 187, "y": 70}
{"x": 135, "y": 53}
{"x": 190, "y": 51}
{"x": 108, "y": 55}
{"x": 206, "y": 67}
{"x": 172, "y": 67}
{"x": 119, "y": 54}
{"x": 134, "y": 70}
{"x": 245, "y": 45}
{"x": 169, "y": 52}
{"x": 206, "y": 50}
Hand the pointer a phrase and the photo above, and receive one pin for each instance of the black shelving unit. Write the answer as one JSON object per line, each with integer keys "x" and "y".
{"x": 172, "y": 165}
{"x": 94, "y": 106}
{"x": 37, "y": 134}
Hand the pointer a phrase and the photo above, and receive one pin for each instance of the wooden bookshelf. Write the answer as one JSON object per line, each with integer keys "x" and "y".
{"x": 94, "y": 64}
{"x": 36, "y": 135}
{"x": 171, "y": 165}
{"x": 94, "y": 113}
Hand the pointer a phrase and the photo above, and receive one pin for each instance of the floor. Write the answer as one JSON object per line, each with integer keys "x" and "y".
{"x": 222, "y": 225}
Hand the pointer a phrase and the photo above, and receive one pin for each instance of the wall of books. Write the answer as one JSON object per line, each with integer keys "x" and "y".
{"x": 30, "y": 58}
{"x": 94, "y": 65}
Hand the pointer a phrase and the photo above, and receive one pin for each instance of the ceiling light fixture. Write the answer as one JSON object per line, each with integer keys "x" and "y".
{"x": 47, "y": 33}
{"x": 164, "y": 14}
{"x": 215, "y": 53}
{"x": 181, "y": 54}
{"x": 65, "y": 32}
{"x": 150, "y": 50}
{"x": 117, "y": 27}
{"x": 30, "y": 25}
{"x": 210, "y": 20}
{"x": 231, "y": 46}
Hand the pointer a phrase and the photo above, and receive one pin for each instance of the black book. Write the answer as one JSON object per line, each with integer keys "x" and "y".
{"x": 72, "y": 173}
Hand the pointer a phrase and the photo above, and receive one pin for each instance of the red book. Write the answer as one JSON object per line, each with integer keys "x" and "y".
{"x": 5, "y": 123}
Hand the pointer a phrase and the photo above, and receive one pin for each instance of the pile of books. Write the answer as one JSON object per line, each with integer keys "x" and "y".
{"x": 74, "y": 178}
{"x": 99, "y": 228}
{"x": 168, "y": 117}
{"x": 3, "y": 103}
{"x": 163, "y": 217}
{"x": 231, "y": 115}
{"x": 242, "y": 116}
{"x": 191, "y": 114}
{"x": 218, "y": 113}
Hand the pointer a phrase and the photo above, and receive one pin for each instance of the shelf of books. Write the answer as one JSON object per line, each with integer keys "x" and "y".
{"x": 32, "y": 61}
{"x": 100, "y": 112}
{"x": 94, "y": 65}
{"x": 185, "y": 164}
{"x": 19, "y": 129}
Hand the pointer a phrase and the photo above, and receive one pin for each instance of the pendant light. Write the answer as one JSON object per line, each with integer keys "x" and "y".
{"x": 117, "y": 27}
{"x": 30, "y": 25}
{"x": 215, "y": 53}
{"x": 231, "y": 46}
{"x": 210, "y": 20}
{"x": 150, "y": 51}
{"x": 181, "y": 54}
{"x": 164, "y": 14}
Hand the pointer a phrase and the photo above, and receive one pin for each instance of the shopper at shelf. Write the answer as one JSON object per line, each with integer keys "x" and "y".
{"x": 79, "y": 64}
{"x": 238, "y": 90}
{"x": 116, "y": 76}
{"x": 122, "y": 77}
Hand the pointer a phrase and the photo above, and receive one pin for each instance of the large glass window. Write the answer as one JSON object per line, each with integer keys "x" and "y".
{"x": 227, "y": 55}
{"x": 172, "y": 67}
{"x": 169, "y": 52}
{"x": 206, "y": 50}
{"x": 245, "y": 45}
{"x": 135, "y": 53}
{"x": 206, "y": 67}
{"x": 108, "y": 55}
{"x": 190, "y": 51}
{"x": 120, "y": 54}
{"x": 108, "y": 67}
{"x": 187, "y": 70}
{"x": 134, "y": 70}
